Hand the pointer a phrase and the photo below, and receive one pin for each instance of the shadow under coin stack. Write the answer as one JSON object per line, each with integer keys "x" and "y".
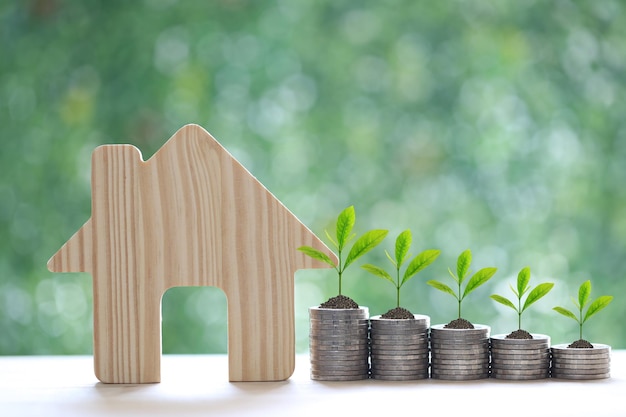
{"x": 459, "y": 354}
{"x": 338, "y": 342}
{"x": 520, "y": 359}
{"x": 399, "y": 348}
{"x": 581, "y": 363}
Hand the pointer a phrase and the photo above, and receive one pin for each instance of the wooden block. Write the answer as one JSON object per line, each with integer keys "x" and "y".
{"x": 189, "y": 216}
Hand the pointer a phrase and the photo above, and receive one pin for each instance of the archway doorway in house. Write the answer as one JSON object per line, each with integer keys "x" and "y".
{"x": 194, "y": 321}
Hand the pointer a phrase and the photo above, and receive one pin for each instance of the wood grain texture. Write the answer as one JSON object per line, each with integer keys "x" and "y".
{"x": 189, "y": 216}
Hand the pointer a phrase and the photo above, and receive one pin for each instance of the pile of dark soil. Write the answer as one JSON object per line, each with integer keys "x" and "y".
{"x": 398, "y": 313}
{"x": 580, "y": 344}
{"x": 459, "y": 324}
{"x": 339, "y": 302}
{"x": 519, "y": 334}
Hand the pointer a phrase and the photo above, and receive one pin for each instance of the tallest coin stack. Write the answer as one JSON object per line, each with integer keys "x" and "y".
{"x": 338, "y": 342}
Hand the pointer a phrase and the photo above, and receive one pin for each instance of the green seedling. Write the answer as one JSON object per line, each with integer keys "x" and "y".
{"x": 418, "y": 263}
{"x": 462, "y": 269}
{"x": 523, "y": 286}
{"x": 345, "y": 223}
{"x": 583, "y": 299}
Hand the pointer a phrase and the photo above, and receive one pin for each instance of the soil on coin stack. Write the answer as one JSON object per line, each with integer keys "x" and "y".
{"x": 398, "y": 313}
{"x": 340, "y": 302}
{"x": 519, "y": 334}
{"x": 580, "y": 344}
{"x": 459, "y": 324}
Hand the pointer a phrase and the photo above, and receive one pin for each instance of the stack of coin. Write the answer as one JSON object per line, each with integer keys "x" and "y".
{"x": 399, "y": 348}
{"x": 338, "y": 344}
{"x": 520, "y": 359}
{"x": 459, "y": 354}
{"x": 581, "y": 363}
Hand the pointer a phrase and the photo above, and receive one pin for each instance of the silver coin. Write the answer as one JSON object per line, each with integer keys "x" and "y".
{"x": 435, "y": 351}
{"x": 520, "y": 346}
{"x": 537, "y": 339}
{"x": 401, "y": 357}
{"x": 323, "y": 377}
{"x": 459, "y": 367}
{"x": 401, "y": 338}
{"x": 440, "y": 329}
{"x": 394, "y": 350}
{"x": 348, "y": 371}
{"x": 580, "y": 376}
{"x": 465, "y": 361}
{"x": 399, "y": 346}
{"x": 363, "y": 367}
{"x": 460, "y": 342}
{"x": 393, "y": 363}
{"x": 347, "y": 349}
{"x": 321, "y": 325}
{"x": 321, "y": 310}
{"x": 377, "y": 357}
{"x": 399, "y": 365}
{"x": 459, "y": 372}
{"x": 416, "y": 317}
{"x": 401, "y": 377}
{"x": 349, "y": 332}
{"x": 411, "y": 364}
{"x": 585, "y": 360}
{"x": 520, "y": 377}
{"x": 520, "y": 371}
{"x": 598, "y": 348}
{"x": 376, "y": 334}
{"x": 565, "y": 371}
{"x": 398, "y": 373}
{"x": 339, "y": 359}
{"x": 346, "y": 340}
{"x": 329, "y": 325}
{"x": 458, "y": 337}
{"x": 463, "y": 355}
{"x": 453, "y": 377}
{"x": 339, "y": 337}
{"x": 514, "y": 359}
{"x": 383, "y": 367}
{"x": 526, "y": 352}
{"x": 579, "y": 368}
{"x": 521, "y": 367}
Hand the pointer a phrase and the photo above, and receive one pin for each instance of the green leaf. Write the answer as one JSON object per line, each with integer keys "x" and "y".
{"x": 403, "y": 243}
{"x": 462, "y": 264}
{"x": 565, "y": 312}
{"x": 364, "y": 244}
{"x": 393, "y": 261}
{"x": 522, "y": 281}
{"x": 537, "y": 292}
{"x": 316, "y": 254}
{"x": 379, "y": 272}
{"x": 583, "y": 294}
{"x": 597, "y": 305}
{"x": 503, "y": 300}
{"x": 453, "y": 276}
{"x": 478, "y": 279}
{"x": 345, "y": 223}
{"x": 330, "y": 238}
{"x": 442, "y": 287}
{"x": 420, "y": 262}
{"x": 515, "y": 291}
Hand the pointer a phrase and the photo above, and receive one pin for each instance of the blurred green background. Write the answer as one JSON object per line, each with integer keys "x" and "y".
{"x": 497, "y": 126}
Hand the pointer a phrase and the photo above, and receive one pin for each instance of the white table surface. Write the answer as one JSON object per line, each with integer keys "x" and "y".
{"x": 198, "y": 385}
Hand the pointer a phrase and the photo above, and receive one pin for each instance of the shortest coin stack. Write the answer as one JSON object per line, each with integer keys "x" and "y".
{"x": 459, "y": 354}
{"x": 520, "y": 359}
{"x": 338, "y": 343}
{"x": 399, "y": 348}
{"x": 581, "y": 363}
